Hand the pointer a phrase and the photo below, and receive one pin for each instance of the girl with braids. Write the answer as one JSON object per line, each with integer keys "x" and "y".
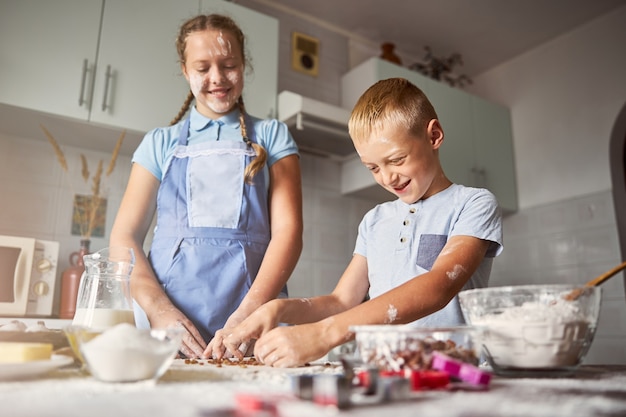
{"x": 226, "y": 190}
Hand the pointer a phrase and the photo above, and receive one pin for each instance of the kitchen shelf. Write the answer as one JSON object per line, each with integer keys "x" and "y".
{"x": 25, "y": 123}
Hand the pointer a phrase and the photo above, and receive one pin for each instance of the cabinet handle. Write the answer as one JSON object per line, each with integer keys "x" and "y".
{"x": 81, "y": 97}
{"x": 107, "y": 78}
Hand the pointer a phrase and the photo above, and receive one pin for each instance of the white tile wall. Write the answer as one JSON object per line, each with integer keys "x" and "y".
{"x": 330, "y": 226}
{"x": 37, "y": 195}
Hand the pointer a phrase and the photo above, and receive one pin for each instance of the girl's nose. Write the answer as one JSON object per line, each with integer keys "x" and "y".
{"x": 215, "y": 75}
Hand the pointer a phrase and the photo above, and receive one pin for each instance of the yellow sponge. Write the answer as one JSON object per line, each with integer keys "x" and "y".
{"x": 17, "y": 352}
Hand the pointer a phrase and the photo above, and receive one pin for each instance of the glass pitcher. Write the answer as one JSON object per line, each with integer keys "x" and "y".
{"x": 104, "y": 293}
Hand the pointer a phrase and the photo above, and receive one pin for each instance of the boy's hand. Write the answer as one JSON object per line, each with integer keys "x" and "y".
{"x": 291, "y": 346}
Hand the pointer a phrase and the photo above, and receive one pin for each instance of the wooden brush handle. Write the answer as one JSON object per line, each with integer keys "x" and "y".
{"x": 576, "y": 292}
{"x": 599, "y": 280}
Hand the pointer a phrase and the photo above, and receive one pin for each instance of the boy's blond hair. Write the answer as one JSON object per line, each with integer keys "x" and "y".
{"x": 394, "y": 101}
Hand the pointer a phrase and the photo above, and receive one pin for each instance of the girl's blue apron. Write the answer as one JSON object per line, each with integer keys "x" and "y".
{"x": 212, "y": 229}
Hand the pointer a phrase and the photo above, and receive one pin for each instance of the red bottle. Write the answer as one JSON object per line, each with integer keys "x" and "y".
{"x": 71, "y": 280}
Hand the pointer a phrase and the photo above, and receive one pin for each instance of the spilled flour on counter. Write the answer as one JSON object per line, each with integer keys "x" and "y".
{"x": 200, "y": 391}
{"x": 203, "y": 369}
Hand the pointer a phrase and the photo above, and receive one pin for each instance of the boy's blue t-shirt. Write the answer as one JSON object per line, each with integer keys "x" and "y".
{"x": 157, "y": 146}
{"x": 402, "y": 241}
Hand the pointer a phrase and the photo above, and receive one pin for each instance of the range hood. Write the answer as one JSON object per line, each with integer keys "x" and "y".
{"x": 318, "y": 128}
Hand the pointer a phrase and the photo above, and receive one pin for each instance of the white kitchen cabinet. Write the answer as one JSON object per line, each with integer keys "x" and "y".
{"x": 495, "y": 156}
{"x": 139, "y": 84}
{"x": 44, "y": 46}
{"x": 363, "y": 76}
{"x": 456, "y": 154}
{"x": 114, "y": 62}
{"x": 478, "y": 144}
{"x": 477, "y": 149}
{"x": 110, "y": 62}
{"x": 261, "y": 32}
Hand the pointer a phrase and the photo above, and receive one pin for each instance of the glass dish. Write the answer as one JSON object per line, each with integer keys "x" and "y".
{"x": 124, "y": 353}
{"x": 533, "y": 329}
{"x": 399, "y": 347}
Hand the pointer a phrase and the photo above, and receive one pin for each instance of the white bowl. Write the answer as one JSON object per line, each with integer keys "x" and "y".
{"x": 125, "y": 353}
{"x": 533, "y": 327}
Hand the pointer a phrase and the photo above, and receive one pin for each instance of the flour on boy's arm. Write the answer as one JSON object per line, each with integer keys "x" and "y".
{"x": 392, "y": 314}
{"x": 456, "y": 271}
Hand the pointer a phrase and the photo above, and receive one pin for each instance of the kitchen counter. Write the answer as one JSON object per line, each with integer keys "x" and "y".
{"x": 50, "y": 323}
{"x": 205, "y": 390}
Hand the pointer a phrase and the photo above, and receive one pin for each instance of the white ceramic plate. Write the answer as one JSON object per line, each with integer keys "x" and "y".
{"x": 13, "y": 371}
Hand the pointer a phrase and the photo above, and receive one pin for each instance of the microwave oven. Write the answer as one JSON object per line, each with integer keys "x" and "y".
{"x": 28, "y": 270}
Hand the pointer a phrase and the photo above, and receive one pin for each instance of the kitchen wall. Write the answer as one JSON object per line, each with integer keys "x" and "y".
{"x": 564, "y": 98}
{"x": 37, "y": 195}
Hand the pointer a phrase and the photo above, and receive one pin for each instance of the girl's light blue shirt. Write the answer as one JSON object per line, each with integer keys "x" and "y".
{"x": 157, "y": 146}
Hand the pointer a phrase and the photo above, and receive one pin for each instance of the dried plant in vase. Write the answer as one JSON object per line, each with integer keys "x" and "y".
{"x": 440, "y": 69}
{"x": 88, "y": 210}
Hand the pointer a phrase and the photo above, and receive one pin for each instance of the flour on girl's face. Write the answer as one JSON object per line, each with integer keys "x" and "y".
{"x": 222, "y": 47}
{"x": 196, "y": 83}
{"x": 214, "y": 68}
{"x": 225, "y": 46}
{"x": 199, "y": 81}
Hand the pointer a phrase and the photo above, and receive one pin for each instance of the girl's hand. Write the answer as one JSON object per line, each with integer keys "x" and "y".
{"x": 291, "y": 346}
{"x": 238, "y": 346}
{"x": 238, "y": 340}
{"x": 192, "y": 344}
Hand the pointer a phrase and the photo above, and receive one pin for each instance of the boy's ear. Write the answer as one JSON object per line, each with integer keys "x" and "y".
{"x": 435, "y": 133}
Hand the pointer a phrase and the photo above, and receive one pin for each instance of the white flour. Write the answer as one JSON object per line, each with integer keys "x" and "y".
{"x": 125, "y": 353}
{"x": 537, "y": 335}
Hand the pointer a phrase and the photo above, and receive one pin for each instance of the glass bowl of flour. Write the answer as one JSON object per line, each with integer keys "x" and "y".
{"x": 533, "y": 328}
{"x": 124, "y": 353}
